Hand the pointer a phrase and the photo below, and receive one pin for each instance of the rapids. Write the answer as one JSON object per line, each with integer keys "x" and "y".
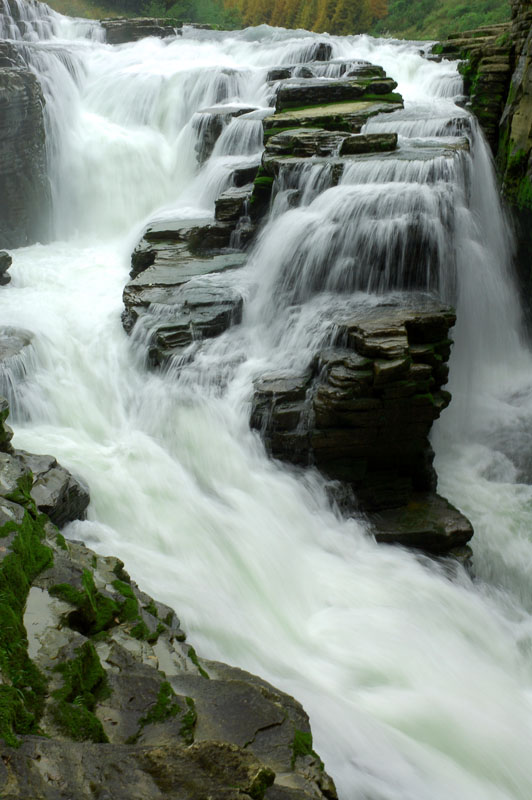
{"x": 417, "y": 678}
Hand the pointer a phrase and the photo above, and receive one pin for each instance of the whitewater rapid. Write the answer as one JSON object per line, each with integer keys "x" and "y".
{"x": 417, "y": 678}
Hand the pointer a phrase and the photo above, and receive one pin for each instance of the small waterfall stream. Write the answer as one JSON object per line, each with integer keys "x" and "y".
{"x": 418, "y": 684}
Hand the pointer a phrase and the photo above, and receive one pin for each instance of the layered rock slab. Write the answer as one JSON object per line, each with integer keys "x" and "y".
{"x": 362, "y": 413}
{"x": 175, "y": 293}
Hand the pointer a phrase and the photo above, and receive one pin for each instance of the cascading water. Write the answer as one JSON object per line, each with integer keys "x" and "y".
{"x": 418, "y": 685}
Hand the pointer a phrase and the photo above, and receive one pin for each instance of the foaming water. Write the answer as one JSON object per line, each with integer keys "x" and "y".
{"x": 417, "y": 678}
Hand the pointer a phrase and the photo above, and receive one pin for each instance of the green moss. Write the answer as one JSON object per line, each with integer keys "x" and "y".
{"x": 165, "y": 706}
{"x": 129, "y": 609}
{"x": 22, "y": 701}
{"x": 94, "y": 562}
{"x": 84, "y": 684}
{"x": 189, "y": 722}
{"x": 61, "y": 541}
{"x": 302, "y": 746}
{"x": 94, "y": 612}
{"x": 151, "y": 608}
{"x": 120, "y": 572}
{"x": 194, "y": 658}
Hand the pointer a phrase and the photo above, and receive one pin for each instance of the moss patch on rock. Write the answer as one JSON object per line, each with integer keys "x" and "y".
{"x": 84, "y": 684}
{"x": 23, "y": 686}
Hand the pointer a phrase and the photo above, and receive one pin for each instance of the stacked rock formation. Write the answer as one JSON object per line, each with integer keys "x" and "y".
{"x": 24, "y": 190}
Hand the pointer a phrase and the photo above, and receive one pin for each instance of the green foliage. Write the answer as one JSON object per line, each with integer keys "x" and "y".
{"x": 84, "y": 683}
{"x": 23, "y": 691}
{"x": 302, "y": 746}
{"x": 189, "y": 722}
{"x": 428, "y": 19}
{"x": 165, "y": 706}
{"x": 194, "y": 658}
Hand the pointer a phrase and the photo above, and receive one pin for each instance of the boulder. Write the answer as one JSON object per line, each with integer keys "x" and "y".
{"x": 427, "y": 522}
{"x": 233, "y": 203}
{"x": 54, "y": 490}
{"x": 119, "y": 30}
{"x": 24, "y": 189}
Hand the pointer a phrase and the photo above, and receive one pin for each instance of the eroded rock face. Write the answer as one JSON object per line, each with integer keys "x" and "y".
{"x": 119, "y": 30}
{"x": 24, "y": 190}
{"x": 112, "y": 699}
{"x": 362, "y": 412}
{"x": 487, "y": 53}
{"x": 173, "y": 293}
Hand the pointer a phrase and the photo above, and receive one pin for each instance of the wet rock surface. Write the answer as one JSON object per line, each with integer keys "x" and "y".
{"x": 362, "y": 412}
{"x": 5, "y": 263}
{"x": 114, "y": 701}
{"x": 174, "y": 291}
{"x": 119, "y": 30}
{"x": 487, "y": 55}
{"x": 304, "y": 93}
{"x": 24, "y": 190}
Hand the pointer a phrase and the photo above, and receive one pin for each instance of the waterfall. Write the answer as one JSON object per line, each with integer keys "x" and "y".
{"x": 417, "y": 680}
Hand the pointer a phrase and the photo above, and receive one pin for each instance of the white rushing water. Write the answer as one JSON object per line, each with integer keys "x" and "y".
{"x": 418, "y": 682}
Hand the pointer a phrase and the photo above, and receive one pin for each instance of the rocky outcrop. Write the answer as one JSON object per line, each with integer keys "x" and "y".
{"x": 486, "y": 69}
{"x": 362, "y": 411}
{"x": 173, "y": 293}
{"x": 515, "y": 147}
{"x": 119, "y": 30}
{"x": 100, "y": 693}
{"x": 497, "y": 71}
{"x": 24, "y": 190}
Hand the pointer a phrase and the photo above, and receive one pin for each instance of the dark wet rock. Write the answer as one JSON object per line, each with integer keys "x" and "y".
{"x": 163, "y": 241}
{"x": 368, "y": 143}
{"x": 10, "y": 56}
{"x": 120, "y": 702}
{"x": 232, "y": 204}
{"x": 24, "y": 189}
{"x": 197, "y": 312}
{"x": 300, "y": 94}
{"x": 303, "y": 72}
{"x": 306, "y": 142}
{"x": 486, "y": 69}
{"x": 174, "y": 290}
{"x": 55, "y": 491}
{"x": 119, "y": 30}
{"x": 362, "y": 411}
{"x": 321, "y": 52}
{"x": 279, "y": 74}
{"x": 5, "y": 263}
{"x": 428, "y": 522}
{"x": 209, "y": 124}
{"x": 245, "y": 174}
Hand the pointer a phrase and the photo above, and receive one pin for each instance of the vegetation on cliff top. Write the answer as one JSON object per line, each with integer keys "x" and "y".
{"x": 418, "y": 19}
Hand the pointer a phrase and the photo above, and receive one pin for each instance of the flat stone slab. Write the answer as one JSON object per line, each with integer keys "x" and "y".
{"x": 349, "y": 115}
{"x": 428, "y": 522}
{"x": 316, "y": 92}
